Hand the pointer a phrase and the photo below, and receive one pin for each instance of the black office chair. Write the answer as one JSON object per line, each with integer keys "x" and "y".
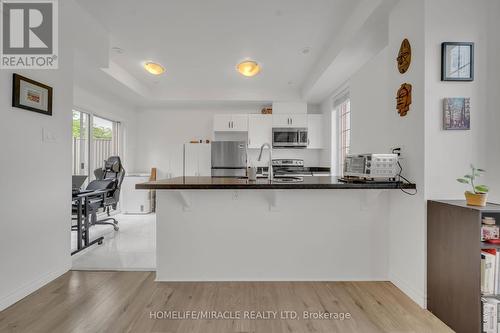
{"x": 110, "y": 177}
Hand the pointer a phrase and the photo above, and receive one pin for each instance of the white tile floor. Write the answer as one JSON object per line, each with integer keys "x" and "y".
{"x": 132, "y": 248}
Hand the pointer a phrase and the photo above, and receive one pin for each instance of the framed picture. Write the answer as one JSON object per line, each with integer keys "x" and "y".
{"x": 457, "y": 61}
{"x": 456, "y": 113}
{"x": 31, "y": 95}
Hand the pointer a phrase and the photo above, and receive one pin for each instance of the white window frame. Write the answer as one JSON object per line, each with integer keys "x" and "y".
{"x": 91, "y": 137}
{"x": 341, "y": 100}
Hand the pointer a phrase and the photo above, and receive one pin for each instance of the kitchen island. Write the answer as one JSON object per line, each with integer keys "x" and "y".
{"x": 230, "y": 229}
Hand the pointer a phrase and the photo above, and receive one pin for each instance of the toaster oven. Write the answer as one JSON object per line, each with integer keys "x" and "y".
{"x": 371, "y": 166}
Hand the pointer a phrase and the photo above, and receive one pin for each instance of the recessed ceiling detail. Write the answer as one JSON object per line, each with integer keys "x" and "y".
{"x": 248, "y": 68}
{"x": 190, "y": 40}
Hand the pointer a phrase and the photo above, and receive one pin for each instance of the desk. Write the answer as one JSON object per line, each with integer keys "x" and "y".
{"x": 83, "y": 202}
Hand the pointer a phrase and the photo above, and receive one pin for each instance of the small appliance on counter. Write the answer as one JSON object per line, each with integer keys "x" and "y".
{"x": 229, "y": 158}
{"x": 290, "y": 138}
{"x": 371, "y": 167}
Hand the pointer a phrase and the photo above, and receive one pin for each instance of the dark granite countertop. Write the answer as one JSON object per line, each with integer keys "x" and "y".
{"x": 217, "y": 183}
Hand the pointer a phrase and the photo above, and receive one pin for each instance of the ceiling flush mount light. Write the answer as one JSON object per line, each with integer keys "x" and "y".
{"x": 248, "y": 68}
{"x": 154, "y": 68}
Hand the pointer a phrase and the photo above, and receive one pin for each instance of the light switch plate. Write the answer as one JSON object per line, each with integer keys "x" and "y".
{"x": 48, "y": 136}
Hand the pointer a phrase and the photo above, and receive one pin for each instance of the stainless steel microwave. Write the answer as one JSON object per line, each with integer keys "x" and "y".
{"x": 290, "y": 138}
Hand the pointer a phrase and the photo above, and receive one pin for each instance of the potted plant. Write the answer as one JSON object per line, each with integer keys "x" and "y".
{"x": 479, "y": 193}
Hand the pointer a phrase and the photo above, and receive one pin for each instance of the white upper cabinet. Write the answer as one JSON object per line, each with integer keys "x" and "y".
{"x": 259, "y": 130}
{"x": 239, "y": 122}
{"x": 222, "y": 122}
{"x": 315, "y": 131}
{"x": 290, "y": 120}
{"x": 230, "y": 123}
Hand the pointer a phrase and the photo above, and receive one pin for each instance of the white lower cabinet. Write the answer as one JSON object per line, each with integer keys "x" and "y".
{"x": 197, "y": 160}
{"x": 260, "y": 127}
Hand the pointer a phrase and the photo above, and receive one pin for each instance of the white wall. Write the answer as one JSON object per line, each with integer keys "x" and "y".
{"x": 35, "y": 179}
{"x": 492, "y": 144}
{"x": 407, "y": 261}
{"x": 450, "y": 153}
{"x": 377, "y": 127}
{"x": 161, "y": 134}
{"x": 105, "y": 105}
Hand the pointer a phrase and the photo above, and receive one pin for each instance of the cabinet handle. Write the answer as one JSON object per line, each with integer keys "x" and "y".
{"x": 249, "y": 142}
{"x": 291, "y": 121}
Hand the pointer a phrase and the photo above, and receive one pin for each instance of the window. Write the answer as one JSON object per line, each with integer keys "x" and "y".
{"x": 341, "y": 138}
{"x": 105, "y": 137}
{"x": 94, "y": 140}
{"x": 80, "y": 143}
{"x": 345, "y": 130}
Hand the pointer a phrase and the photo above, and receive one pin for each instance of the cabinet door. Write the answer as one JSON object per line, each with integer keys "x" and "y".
{"x": 222, "y": 122}
{"x": 315, "y": 131}
{"x": 191, "y": 159}
{"x": 281, "y": 120}
{"x": 239, "y": 122}
{"x": 204, "y": 160}
{"x": 298, "y": 120}
{"x": 259, "y": 130}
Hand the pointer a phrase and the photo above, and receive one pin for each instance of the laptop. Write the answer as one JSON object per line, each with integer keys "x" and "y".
{"x": 78, "y": 182}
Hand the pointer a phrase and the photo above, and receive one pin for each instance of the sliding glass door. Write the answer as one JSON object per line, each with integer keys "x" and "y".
{"x": 91, "y": 149}
{"x": 80, "y": 143}
{"x": 105, "y": 140}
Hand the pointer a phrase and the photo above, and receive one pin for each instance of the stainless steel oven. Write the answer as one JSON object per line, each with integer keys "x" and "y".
{"x": 290, "y": 138}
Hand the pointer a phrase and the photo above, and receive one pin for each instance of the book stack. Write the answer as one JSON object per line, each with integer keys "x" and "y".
{"x": 490, "y": 265}
{"x": 490, "y": 314}
{"x": 490, "y": 287}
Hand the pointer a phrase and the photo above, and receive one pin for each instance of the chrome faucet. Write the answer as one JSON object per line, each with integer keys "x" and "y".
{"x": 270, "y": 168}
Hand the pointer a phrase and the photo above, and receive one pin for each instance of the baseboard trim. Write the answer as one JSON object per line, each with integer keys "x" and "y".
{"x": 30, "y": 287}
{"x": 416, "y": 295}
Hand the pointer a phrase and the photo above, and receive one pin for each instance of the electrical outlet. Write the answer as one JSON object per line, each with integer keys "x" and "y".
{"x": 398, "y": 150}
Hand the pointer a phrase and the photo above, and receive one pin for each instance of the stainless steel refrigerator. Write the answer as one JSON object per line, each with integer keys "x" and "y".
{"x": 229, "y": 158}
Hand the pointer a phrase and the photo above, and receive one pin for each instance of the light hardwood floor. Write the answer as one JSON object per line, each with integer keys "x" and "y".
{"x": 123, "y": 302}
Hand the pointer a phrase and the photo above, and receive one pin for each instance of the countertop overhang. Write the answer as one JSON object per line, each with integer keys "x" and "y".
{"x": 218, "y": 183}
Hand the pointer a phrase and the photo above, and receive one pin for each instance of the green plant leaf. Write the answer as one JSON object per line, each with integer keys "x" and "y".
{"x": 463, "y": 181}
{"x": 481, "y": 170}
{"x": 482, "y": 189}
{"x": 468, "y": 176}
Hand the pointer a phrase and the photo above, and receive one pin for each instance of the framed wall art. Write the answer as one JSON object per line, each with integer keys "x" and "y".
{"x": 457, "y": 61}
{"x": 456, "y": 113}
{"x": 31, "y": 95}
